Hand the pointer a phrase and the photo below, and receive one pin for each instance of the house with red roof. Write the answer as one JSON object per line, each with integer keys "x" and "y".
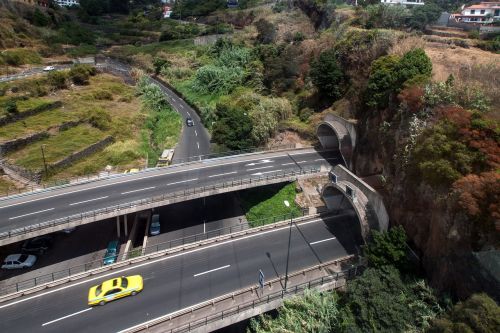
{"x": 482, "y": 13}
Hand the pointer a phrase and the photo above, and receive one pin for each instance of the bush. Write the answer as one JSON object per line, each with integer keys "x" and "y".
{"x": 17, "y": 57}
{"x": 266, "y": 31}
{"x": 424, "y": 15}
{"x": 384, "y": 16}
{"x": 11, "y": 107}
{"x": 98, "y": 118}
{"x": 412, "y": 64}
{"x": 327, "y": 75}
{"x": 81, "y": 73}
{"x": 233, "y": 128}
{"x": 57, "y": 79}
{"x": 103, "y": 95}
{"x": 387, "y": 248}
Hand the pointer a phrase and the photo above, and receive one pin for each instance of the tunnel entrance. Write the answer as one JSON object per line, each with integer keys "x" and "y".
{"x": 328, "y": 137}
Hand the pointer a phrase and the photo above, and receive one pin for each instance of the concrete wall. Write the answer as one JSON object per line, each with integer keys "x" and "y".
{"x": 336, "y": 132}
{"x": 376, "y": 212}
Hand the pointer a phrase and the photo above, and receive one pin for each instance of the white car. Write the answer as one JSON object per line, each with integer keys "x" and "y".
{"x": 49, "y": 68}
{"x": 15, "y": 261}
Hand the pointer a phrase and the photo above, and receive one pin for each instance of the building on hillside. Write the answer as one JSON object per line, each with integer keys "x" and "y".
{"x": 483, "y": 13}
{"x": 167, "y": 11}
{"x": 407, "y": 3}
{"x": 67, "y": 3}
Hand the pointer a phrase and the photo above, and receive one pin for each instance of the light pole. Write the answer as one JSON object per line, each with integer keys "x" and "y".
{"x": 289, "y": 241}
{"x": 44, "y": 162}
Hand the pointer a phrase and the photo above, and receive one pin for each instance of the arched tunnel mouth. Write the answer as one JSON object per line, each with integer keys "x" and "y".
{"x": 327, "y": 137}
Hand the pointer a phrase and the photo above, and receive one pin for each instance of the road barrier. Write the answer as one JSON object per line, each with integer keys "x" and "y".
{"x": 140, "y": 204}
{"x": 237, "y": 310}
{"x": 175, "y": 246}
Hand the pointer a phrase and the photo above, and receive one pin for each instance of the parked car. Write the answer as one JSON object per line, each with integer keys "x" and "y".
{"x": 154, "y": 227}
{"x": 189, "y": 122}
{"x": 15, "y": 261}
{"x": 115, "y": 288}
{"x": 111, "y": 253}
{"x": 40, "y": 245}
{"x": 49, "y": 68}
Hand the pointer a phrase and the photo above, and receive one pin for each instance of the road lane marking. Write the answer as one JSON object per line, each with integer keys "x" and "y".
{"x": 189, "y": 114}
{"x": 198, "y": 144}
{"x": 266, "y": 167}
{"x": 141, "y": 189}
{"x": 262, "y": 173}
{"x": 147, "y": 263}
{"x": 182, "y": 107}
{"x": 195, "y": 133}
{"x": 183, "y": 181}
{"x": 128, "y": 180}
{"x": 323, "y": 240}
{"x": 260, "y": 162}
{"x": 288, "y": 163}
{"x": 212, "y": 270}
{"x": 70, "y": 315}
{"x": 40, "y": 211}
{"x": 77, "y": 203}
{"x": 223, "y": 174}
{"x": 327, "y": 159}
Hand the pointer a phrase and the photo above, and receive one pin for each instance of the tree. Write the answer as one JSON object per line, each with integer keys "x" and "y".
{"x": 479, "y": 314}
{"x": 387, "y": 248}
{"x": 382, "y": 81}
{"x": 413, "y": 63}
{"x": 424, "y": 15}
{"x": 233, "y": 128}
{"x": 40, "y": 19}
{"x": 327, "y": 75}
{"x": 266, "y": 30}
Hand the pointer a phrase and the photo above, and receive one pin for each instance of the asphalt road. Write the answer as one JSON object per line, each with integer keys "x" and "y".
{"x": 195, "y": 140}
{"x": 183, "y": 280}
{"x": 37, "y": 207}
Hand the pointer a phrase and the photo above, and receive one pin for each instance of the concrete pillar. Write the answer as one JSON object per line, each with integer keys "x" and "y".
{"x": 118, "y": 226}
{"x": 125, "y": 225}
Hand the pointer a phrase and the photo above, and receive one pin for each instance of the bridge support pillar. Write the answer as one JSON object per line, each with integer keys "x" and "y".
{"x": 125, "y": 225}
{"x": 118, "y": 226}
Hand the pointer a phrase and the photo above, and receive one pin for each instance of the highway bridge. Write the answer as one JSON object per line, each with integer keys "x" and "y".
{"x": 46, "y": 211}
{"x": 178, "y": 281}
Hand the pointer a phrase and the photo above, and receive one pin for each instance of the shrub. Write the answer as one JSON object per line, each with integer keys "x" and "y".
{"x": 103, "y": 95}
{"x": 327, "y": 75}
{"x": 40, "y": 19}
{"x": 11, "y": 107}
{"x": 382, "y": 81}
{"x": 266, "y": 31}
{"x": 424, "y": 15}
{"x": 98, "y": 118}
{"x": 17, "y": 57}
{"x": 233, "y": 128}
{"x": 81, "y": 73}
{"x": 413, "y": 64}
{"x": 387, "y": 248}
{"x": 57, "y": 79}
{"x": 212, "y": 79}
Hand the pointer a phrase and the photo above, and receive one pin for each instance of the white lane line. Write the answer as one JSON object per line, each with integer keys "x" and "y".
{"x": 80, "y": 202}
{"x": 183, "y": 181}
{"x": 189, "y": 114}
{"x": 323, "y": 240}
{"x": 141, "y": 189}
{"x": 266, "y": 167}
{"x": 182, "y": 107}
{"x": 40, "y": 211}
{"x": 128, "y": 180}
{"x": 223, "y": 174}
{"x": 70, "y": 315}
{"x": 288, "y": 163}
{"x": 195, "y": 133}
{"x": 212, "y": 270}
{"x": 198, "y": 144}
{"x": 117, "y": 272}
{"x": 260, "y": 162}
{"x": 262, "y": 173}
{"x": 326, "y": 159}
{"x": 302, "y": 162}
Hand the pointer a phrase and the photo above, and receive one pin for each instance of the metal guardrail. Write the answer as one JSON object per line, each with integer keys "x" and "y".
{"x": 348, "y": 274}
{"x": 95, "y": 214}
{"x": 179, "y": 163}
{"x": 82, "y": 268}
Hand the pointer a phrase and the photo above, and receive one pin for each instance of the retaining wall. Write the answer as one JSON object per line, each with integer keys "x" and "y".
{"x": 28, "y": 113}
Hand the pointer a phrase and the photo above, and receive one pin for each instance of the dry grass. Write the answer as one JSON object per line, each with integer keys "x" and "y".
{"x": 407, "y": 44}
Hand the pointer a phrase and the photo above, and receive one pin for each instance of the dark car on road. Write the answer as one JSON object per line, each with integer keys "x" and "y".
{"x": 189, "y": 122}
{"x": 38, "y": 245}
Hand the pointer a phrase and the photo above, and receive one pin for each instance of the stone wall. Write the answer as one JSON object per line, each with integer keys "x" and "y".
{"x": 67, "y": 161}
{"x": 15, "y": 144}
{"x": 28, "y": 113}
{"x": 34, "y": 176}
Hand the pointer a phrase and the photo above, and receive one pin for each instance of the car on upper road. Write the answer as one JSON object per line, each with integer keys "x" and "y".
{"x": 15, "y": 261}
{"x": 39, "y": 245}
{"x": 189, "y": 122}
{"x": 115, "y": 288}
{"x": 154, "y": 227}
{"x": 49, "y": 68}
{"x": 111, "y": 253}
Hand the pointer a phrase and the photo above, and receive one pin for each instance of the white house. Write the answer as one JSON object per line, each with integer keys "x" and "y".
{"x": 67, "y": 3}
{"x": 403, "y": 2}
{"x": 485, "y": 12}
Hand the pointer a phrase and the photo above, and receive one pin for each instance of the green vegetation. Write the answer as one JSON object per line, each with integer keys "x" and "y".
{"x": 327, "y": 76}
{"x": 17, "y": 57}
{"x": 162, "y": 125}
{"x": 6, "y": 186}
{"x": 196, "y": 8}
{"x": 56, "y": 147}
{"x": 81, "y": 73}
{"x": 262, "y": 204}
{"x": 388, "y": 248}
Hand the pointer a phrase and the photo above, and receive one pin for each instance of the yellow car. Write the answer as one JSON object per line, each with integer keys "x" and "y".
{"x": 115, "y": 288}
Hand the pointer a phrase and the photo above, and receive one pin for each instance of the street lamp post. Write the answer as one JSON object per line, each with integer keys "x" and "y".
{"x": 44, "y": 161}
{"x": 289, "y": 241}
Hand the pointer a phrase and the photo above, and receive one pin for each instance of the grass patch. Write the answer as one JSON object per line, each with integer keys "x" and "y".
{"x": 6, "y": 186}
{"x": 17, "y": 57}
{"x": 82, "y": 50}
{"x": 56, "y": 147}
{"x": 37, "y": 123}
{"x": 261, "y": 205}
{"x": 172, "y": 46}
{"x": 23, "y": 105}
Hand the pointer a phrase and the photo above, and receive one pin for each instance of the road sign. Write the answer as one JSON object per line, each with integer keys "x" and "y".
{"x": 261, "y": 278}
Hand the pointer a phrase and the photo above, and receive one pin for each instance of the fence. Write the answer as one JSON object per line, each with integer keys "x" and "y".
{"x": 348, "y": 274}
{"x": 66, "y": 273}
{"x": 136, "y": 205}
